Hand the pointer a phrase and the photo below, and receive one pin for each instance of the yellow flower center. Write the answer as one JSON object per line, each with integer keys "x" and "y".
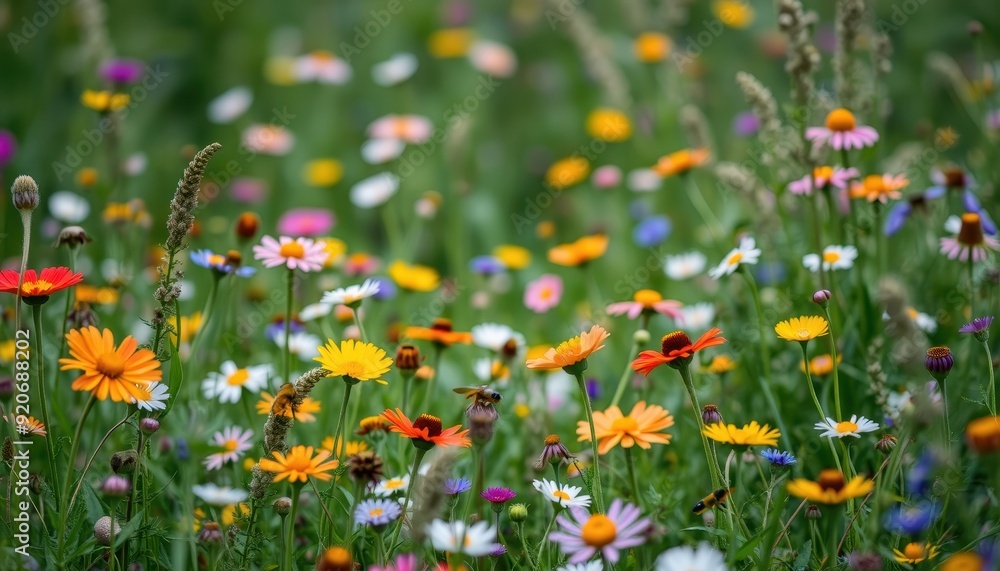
{"x": 354, "y": 369}
{"x": 297, "y": 463}
{"x": 874, "y": 184}
{"x": 647, "y": 297}
{"x": 846, "y": 426}
{"x": 598, "y": 531}
{"x": 625, "y": 424}
{"x": 735, "y": 258}
{"x": 831, "y": 257}
{"x": 292, "y": 250}
{"x": 394, "y": 484}
{"x": 840, "y": 120}
{"x": 376, "y": 512}
{"x": 231, "y": 445}
{"x": 35, "y": 287}
{"x": 216, "y": 260}
{"x": 111, "y": 365}
{"x": 560, "y": 494}
{"x": 545, "y": 293}
{"x": 238, "y": 378}
{"x": 913, "y": 551}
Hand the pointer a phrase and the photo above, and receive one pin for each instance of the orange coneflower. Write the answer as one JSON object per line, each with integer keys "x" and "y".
{"x": 641, "y": 427}
{"x": 41, "y": 285}
{"x": 675, "y": 346}
{"x": 426, "y": 431}
{"x": 440, "y": 332}
{"x": 124, "y": 373}
{"x": 299, "y": 465}
{"x": 573, "y": 351}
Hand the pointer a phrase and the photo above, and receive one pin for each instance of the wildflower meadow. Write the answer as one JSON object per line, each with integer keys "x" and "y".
{"x": 645, "y": 285}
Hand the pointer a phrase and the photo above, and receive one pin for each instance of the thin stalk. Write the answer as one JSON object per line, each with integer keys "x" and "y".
{"x": 545, "y": 536}
{"x": 972, "y": 286}
{"x": 289, "y": 294}
{"x": 993, "y": 386}
{"x": 765, "y": 352}
{"x": 290, "y": 538}
{"x": 707, "y": 215}
{"x": 626, "y": 375}
{"x": 879, "y": 237}
{"x": 249, "y": 534}
{"x": 833, "y": 356}
{"x": 596, "y": 483}
{"x": 69, "y": 477}
{"x": 341, "y": 446}
{"x": 524, "y": 545}
{"x": 713, "y": 462}
{"x": 357, "y": 321}
{"x": 809, "y": 381}
{"x": 406, "y": 497}
{"x": 630, "y": 465}
{"x": 947, "y": 420}
{"x": 25, "y": 247}
{"x": 36, "y": 315}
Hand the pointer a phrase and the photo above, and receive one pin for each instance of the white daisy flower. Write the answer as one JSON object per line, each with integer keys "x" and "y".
{"x": 685, "y": 558}
{"x": 746, "y": 253}
{"x": 565, "y": 495}
{"x": 228, "y": 107}
{"x": 643, "y": 180}
{"x": 390, "y": 486}
{"x": 352, "y": 294}
{"x": 923, "y": 321}
{"x": 375, "y": 190}
{"x": 496, "y": 336}
{"x": 228, "y": 384}
{"x": 833, "y": 258}
{"x": 477, "y": 540}
{"x": 491, "y": 371}
{"x": 595, "y": 565}
{"x": 684, "y": 266}
{"x": 396, "y": 69}
{"x": 315, "y": 311}
{"x": 157, "y": 399}
{"x": 379, "y": 151}
{"x": 219, "y": 495}
{"x": 135, "y": 164}
{"x": 322, "y": 67}
{"x": 303, "y": 345}
{"x": 492, "y": 58}
{"x": 853, "y": 427}
{"x": 897, "y": 401}
{"x": 68, "y": 207}
{"x": 697, "y": 316}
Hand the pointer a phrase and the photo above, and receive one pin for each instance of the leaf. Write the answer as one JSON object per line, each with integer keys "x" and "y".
{"x": 176, "y": 379}
{"x": 804, "y": 555}
{"x": 711, "y": 530}
{"x": 749, "y": 546}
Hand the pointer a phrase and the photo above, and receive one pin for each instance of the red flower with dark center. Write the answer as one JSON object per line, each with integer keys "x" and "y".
{"x": 34, "y": 285}
{"x": 426, "y": 431}
{"x": 675, "y": 346}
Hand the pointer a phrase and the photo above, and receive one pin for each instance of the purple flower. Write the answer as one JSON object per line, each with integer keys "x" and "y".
{"x": 8, "y": 146}
{"x": 746, "y": 124}
{"x": 498, "y": 495}
{"x": 623, "y": 528}
{"x": 377, "y": 513}
{"x": 122, "y": 71}
{"x": 455, "y": 486}
{"x": 652, "y": 231}
{"x": 486, "y": 265}
{"x": 593, "y": 389}
{"x": 386, "y": 289}
{"x": 979, "y": 327}
{"x": 308, "y": 222}
{"x": 498, "y": 551}
{"x": 276, "y": 328}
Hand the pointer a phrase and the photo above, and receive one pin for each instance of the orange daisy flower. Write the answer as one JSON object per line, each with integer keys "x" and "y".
{"x": 676, "y": 346}
{"x": 681, "y": 162}
{"x": 42, "y": 286}
{"x": 426, "y": 431}
{"x": 577, "y": 253}
{"x": 440, "y": 332}
{"x": 640, "y": 427}
{"x": 122, "y": 373}
{"x": 299, "y": 464}
{"x": 573, "y": 351}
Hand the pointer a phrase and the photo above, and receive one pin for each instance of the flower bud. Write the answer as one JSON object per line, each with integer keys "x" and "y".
{"x": 812, "y": 512}
{"x": 247, "y": 225}
{"x": 939, "y": 362}
{"x": 6, "y": 388}
{"x": 210, "y": 534}
{"x": 24, "y": 193}
{"x": 974, "y": 28}
{"x": 282, "y": 506}
{"x": 149, "y": 425}
{"x": 335, "y": 559}
{"x": 124, "y": 462}
{"x": 517, "y": 512}
{"x": 886, "y": 444}
{"x": 116, "y": 486}
{"x": 72, "y": 236}
{"x": 708, "y": 518}
{"x": 481, "y": 426}
{"x": 102, "y": 530}
{"x": 640, "y": 337}
{"x": 710, "y": 414}
{"x": 822, "y": 297}
{"x": 407, "y": 360}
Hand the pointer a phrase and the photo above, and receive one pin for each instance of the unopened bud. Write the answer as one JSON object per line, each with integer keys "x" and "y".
{"x": 812, "y": 512}
{"x": 282, "y": 506}
{"x": 517, "y": 512}
{"x": 149, "y": 425}
{"x": 116, "y": 486}
{"x": 247, "y": 225}
{"x": 72, "y": 236}
{"x": 822, "y": 297}
{"x": 210, "y": 534}
{"x": 710, "y": 414}
{"x": 124, "y": 462}
{"x": 102, "y": 530}
{"x": 640, "y": 337}
{"x": 886, "y": 444}
{"x": 24, "y": 193}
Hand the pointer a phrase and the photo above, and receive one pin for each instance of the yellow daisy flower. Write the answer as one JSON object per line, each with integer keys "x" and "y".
{"x": 752, "y": 434}
{"x": 802, "y": 329}
{"x": 830, "y": 488}
{"x": 354, "y": 360}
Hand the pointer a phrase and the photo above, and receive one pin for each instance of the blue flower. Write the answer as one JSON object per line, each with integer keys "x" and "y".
{"x": 386, "y": 289}
{"x": 770, "y": 273}
{"x": 183, "y": 452}
{"x": 486, "y": 265}
{"x": 652, "y": 231}
{"x": 455, "y": 486}
{"x": 778, "y": 458}
{"x": 221, "y": 264}
{"x": 377, "y": 512}
{"x": 913, "y": 520}
{"x": 277, "y": 328}
{"x": 918, "y": 480}
{"x": 593, "y": 389}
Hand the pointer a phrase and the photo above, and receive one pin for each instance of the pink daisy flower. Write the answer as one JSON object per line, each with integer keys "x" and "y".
{"x": 825, "y": 177}
{"x": 970, "y": 240}
{"x": 234, "y": 442}
{"x": 544, "y": 293}
{"x": 842, "y": 132}
{"x": 648, "y": 301}
{"x": 295, "y": 253}
{"x": 361, "y": 264}
{"x": 587, "y": 534}
{"x": 408, "y": 128}
{"x": 306, "y": 222}
{"x": 404, "y": 562}
{"x": 268, "y": 139}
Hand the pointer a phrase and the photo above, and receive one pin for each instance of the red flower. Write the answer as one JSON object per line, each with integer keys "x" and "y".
{"x": 676, "y": 345}
{"x": 426, "y": 431}
{"x": 49, "y": 282}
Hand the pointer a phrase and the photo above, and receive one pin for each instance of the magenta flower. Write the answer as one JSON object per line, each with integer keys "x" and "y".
{"x": 309, "y": 222}
{"x": 122, "y": 71}
{"x": 585, "y": 535}
{"x": 248, "y": 190}
{"x": 498, "y": 496}
{"x": 979, "y": 327}
{"x": 544, "y": 293}
{"x": 8, "y": 146}
{"x": 295, "y": 253}
{"x": 234, "y": 442}
{"x": 404, "y": 562}
{"x": 824, "y": 177}
{"x": 842, "y": 132}
{"x": 607, "y": 176}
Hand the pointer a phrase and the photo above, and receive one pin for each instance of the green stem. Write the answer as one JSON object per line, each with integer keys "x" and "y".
{"x": 66, "y": 504}
{"x": 626, "y": 375}
{"x": 879, "y": 237}
{"x": 712, "y": 461}
{"x": 765, "y": 383}
{"x": 833, "y": 356}
{"x": 341, "y": 446}
{"x": 947, "y": 420}
{"x": 545, "y": 536}
{"x": 289, "y": 293}
{"x": 972, "y": 286}
{"x": 524, "y": 545}
{"x": 993, "y": 386}
{"x": 438, "y": 349}
{"x": 809, "y": 381}
{"x": 290, "y": 539}
{"x": 406, "y": 497}
{"x": 707, "y": 215}
{"x": 357, "y": 321}
{"x": 249, "y": 535}
{"x": 630, "y": 464}
{"x": 596, "y": 483}
{"x": 36, "y": 315}
{"x": 25, "y": 247}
